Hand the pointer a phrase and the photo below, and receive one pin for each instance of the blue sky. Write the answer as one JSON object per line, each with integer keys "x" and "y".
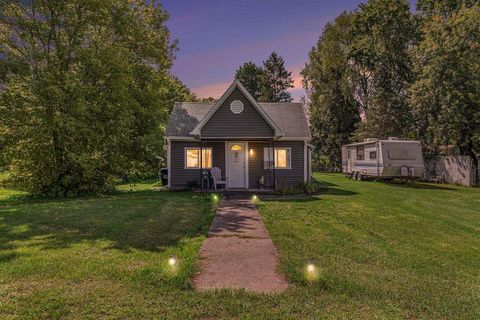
{"x": 217, "y": 36}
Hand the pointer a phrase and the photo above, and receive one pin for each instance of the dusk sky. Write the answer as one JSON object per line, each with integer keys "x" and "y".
{"x": 217, "y": 36}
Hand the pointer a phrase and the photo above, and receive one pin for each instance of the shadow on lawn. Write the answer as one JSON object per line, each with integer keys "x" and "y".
{"x": 331, "y": 188}
{"x": 417, "y": 185}
{"x": 292, "y": 198}
{"x": 145, "y": 220}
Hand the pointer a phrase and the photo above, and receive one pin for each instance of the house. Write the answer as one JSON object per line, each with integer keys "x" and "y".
{"x": 255, "y": 145}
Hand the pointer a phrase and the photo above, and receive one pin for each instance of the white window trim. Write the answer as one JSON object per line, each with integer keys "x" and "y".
{"x": 289, "y": 160}
{"x": 198, "y": 148}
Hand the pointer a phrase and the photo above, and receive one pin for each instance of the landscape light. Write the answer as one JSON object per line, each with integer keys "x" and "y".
{"x": 310, "y": 267}
{"x": 172, "y": 261}
{"x": 254, "y": 198}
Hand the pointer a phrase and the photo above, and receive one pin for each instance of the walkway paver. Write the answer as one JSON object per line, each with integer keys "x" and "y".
{"x": 238, "y": 252}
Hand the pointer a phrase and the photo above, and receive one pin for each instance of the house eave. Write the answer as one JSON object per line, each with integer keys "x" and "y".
{"x": 198, "y": 138}
{"x": 277, "y": 131}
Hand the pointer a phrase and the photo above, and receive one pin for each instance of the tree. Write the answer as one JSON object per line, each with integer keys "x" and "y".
{"x": 87, "y": 89}
{"x": 333, "y": 111}
{"x": 446, "y": 95}
{"x": 250, "y": 75}
{"x": 382, "y": 34}
{"x": 208, "y": 100}
{"x": 275, "y": 80}
{"x": 443, "y": 8}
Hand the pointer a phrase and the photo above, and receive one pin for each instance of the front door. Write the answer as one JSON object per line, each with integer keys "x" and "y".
{"x": 236, "y": 165}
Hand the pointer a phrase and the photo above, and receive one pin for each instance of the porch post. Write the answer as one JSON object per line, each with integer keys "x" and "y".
{"x": 270, "y": 176}
{"x": 201, "y": 165}
{"x": 274, "y": 177}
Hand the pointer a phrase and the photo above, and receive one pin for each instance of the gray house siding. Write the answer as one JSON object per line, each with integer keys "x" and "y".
{"x": 179, "y": 175}
{"x": 282, "y": 176}
{"x": 225, "y": 123}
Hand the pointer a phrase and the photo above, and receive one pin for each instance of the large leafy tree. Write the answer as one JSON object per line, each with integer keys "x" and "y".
{"x": 443, "y": 8}
{"x": 446, "y": 94}
{"x": 276, "y": 80}
{"x": 86, "y": 90}
{"x": 382, "y": 34}
{"x": 251, "y": 76}
{"x": 333, "y": 111}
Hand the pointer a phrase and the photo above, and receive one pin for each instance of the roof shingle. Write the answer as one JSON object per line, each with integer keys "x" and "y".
{"x": 290, "y": 117}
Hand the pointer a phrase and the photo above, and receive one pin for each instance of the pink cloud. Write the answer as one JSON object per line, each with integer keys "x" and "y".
{"x": 214, "y": 90}
{"x": 297, "y": 77}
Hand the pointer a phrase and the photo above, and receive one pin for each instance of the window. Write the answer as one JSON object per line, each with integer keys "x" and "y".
{"x": 236, "y": 147}
{"x": 373, "y": 155}
{"x": 192, "y": 159}
{"x": 282, "y": 158}
{"x": 360, "y": 153}
{"x": 349, "y": 154}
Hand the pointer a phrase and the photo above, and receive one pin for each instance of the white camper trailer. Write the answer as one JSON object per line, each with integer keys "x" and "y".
{"x": 392, "y": 158}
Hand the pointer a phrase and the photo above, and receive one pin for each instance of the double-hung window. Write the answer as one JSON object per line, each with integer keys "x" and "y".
{"x": 283, "y": 158}
{"x": 192, "y": 158}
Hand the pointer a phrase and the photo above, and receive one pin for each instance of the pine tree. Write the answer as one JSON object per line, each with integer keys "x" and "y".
{"x": 251, "y": 76}
{"x": 276, "y": 80}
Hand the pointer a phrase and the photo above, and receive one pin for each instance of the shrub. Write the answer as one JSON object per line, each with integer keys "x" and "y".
{"x": 192, "y": 184}
{"x": 310, "y": 188}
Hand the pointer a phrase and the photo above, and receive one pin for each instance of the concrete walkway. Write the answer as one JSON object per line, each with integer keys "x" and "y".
{"x": 238, "y": 253}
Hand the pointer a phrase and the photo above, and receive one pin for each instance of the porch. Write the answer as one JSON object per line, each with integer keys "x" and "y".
{"x": 245, "y": 165}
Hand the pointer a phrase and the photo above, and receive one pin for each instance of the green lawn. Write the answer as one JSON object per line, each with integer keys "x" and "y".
{"x": 383, "y": 251}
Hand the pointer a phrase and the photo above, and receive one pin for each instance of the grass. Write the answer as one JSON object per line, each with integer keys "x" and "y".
{"x": 381, "y": 251}
{"x": 399, "y": 251}
{"x": 6, "y": 193}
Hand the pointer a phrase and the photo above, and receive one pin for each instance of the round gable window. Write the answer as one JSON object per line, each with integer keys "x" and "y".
{"x": 236, "y": 106}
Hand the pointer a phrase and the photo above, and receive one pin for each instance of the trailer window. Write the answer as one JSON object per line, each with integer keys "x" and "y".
{"x": 360, "y": 153}
{"x": 349, "y": 156}
{"x": 373, "y": 155}
{"x": 401, "y": 154}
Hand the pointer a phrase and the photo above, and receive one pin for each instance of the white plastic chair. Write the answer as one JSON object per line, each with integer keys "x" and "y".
{"x": 217, "y": 177}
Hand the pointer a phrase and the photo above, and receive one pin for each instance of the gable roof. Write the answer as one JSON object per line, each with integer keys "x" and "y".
{"x": 185, "y": 117}
{"x": 290, "y": 117}
{"x": 236, "y": 84}
{"x": 286, "y": 118}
